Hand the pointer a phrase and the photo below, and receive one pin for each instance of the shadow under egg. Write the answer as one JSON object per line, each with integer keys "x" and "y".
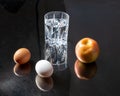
{"x": 85, "y": 71}
{"x": 21, "y": 70}
{"x": 44, "y": 84}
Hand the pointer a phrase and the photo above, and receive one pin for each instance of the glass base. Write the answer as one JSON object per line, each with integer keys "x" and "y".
{"x": 59, "y": 67}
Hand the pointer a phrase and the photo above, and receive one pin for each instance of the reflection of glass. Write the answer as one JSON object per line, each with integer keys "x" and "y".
{"x": 44, "y": 84}
{"x": 85, "y": 71}
{"x": 56, "y": 34}
{"x": 22, "y": 69}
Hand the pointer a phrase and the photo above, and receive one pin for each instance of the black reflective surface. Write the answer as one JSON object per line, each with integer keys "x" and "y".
{"x": 21, "y": 25}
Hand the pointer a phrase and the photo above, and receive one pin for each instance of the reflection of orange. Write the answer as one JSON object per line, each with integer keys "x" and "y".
{"x": 85, "y": 71}
{"x": 44, "y": 84}
{"x": 22, "y": 69}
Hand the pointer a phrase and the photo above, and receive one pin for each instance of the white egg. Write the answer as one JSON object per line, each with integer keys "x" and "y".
{"x": 44, "y": 68}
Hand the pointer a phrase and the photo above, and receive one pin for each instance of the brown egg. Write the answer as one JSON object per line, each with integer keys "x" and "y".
{"x": 22, "y": 56}
{"x": 85, "y": 71}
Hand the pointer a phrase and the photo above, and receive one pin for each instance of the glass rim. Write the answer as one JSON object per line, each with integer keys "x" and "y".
{"x": 67, "y": 15}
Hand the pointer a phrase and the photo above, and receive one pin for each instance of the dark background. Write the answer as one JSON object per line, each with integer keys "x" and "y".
{"x": 21, "y": 25}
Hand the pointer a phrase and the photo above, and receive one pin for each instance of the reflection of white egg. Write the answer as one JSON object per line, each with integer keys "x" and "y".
{"x": 44, "y": 68}
{"x": 44, "y": 84}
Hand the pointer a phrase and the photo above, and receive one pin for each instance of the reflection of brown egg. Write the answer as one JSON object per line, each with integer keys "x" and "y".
{"x": 85, "y": 71}
{"x": 22, "y": 69}
{"x": 44, "y": 84}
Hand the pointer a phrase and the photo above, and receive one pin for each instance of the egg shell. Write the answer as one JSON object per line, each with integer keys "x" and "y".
{"x": 44, "y": 68}
{"x": 22, "y": 56}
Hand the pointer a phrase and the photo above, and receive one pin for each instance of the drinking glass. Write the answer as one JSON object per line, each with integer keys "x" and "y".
{"x": 56, "y": 38}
